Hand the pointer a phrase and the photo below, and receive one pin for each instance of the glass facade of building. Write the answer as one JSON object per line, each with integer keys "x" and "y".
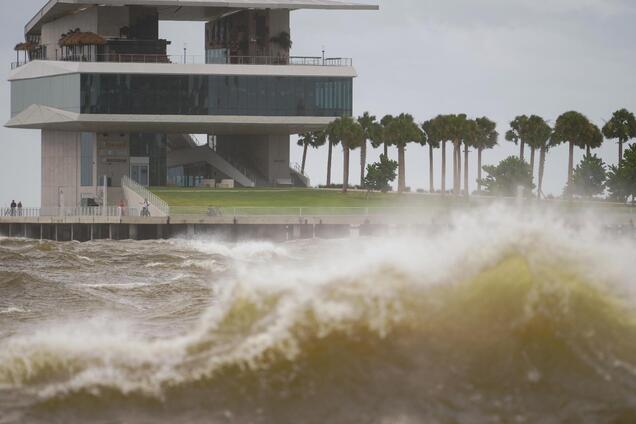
{"x": 60, "y": 91}
{"x": 216, "y": 95}
{"x": 144, "y": 94}
{"x": 153, "y": 147}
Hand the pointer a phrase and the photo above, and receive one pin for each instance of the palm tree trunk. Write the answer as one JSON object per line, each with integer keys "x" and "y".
{"x": 363, "y": 161}
{"x": 541, "y": 168}
{"x": 302, "y": 168}
{"x": 466, "y": 192}
{"x": 459, "y": 168}
{"x": 588, "y": 150}
{"x": 620, "y": 152}
{"x": 454, "y": 167}
{"x": 430, "y": 169}
{"x": 570, "y": 164}
{"x": 443, "y": 167}
{"x": 345, "y": 171}
{"x": 522, "y": 148}
{"x": 402, "y": 173}
{"x": 479, "y": 150}
{"x": 532, "y": 162}
{"x": 386, "y": 150}
{"x": 329, "y": 164}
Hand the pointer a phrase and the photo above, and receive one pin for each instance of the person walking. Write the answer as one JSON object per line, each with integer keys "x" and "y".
{"x": 20, "y": 208}
{"x": 13, "y": 206}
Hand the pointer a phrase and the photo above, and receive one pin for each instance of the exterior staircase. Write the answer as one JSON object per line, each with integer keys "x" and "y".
{"x": 193, "y": 154}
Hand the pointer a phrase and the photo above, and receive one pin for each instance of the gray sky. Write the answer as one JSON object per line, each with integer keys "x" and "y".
{"x": 497, "y": 58}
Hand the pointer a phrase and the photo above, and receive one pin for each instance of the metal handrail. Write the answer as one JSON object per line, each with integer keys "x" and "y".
{"x": 199, "y": 60}
{"x": 144, "y": 193}
{"x": 72, "y": 212}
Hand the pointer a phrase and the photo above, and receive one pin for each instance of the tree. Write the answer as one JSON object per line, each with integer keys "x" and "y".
{"x": 485, "y": 137}
{"x": 574, "y": 128}
{"x": 380, "y": 174}
{"x": 431, "y": 137}
{"x": 401, "y": 131}
{"x": 518, "y": 133}
{"x": 505, "y": 178}
{"x": 441, "y": 129}
{"x": 621, "y": 181}
{"x": 589, "y": 177}
{"x": 371, "y": 130}
{"x": 350, "y": 135}
{"x": 539, "y": 133}
{"x": 622, "y": 126}
{"x": 334, "y": 140}
{"x": 310, "y": 139}
{"x": 458, "y": 131}
{"x": 380, "y": 136}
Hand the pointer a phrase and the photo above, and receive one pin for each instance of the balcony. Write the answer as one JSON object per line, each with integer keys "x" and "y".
{"x": 200, "y": 60}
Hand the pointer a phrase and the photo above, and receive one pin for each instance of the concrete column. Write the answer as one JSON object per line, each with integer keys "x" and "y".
{"x": 110, "y": 231}
{"x": 72, "y": 233}
{"x": 132, "y": 232}
{"x": 24, "y": 230}
{"x": 56, "y": 232}
{"x": 92, "y": 230}
{"x": 190, "y": 230}
{"x": 41, "y": 231}
{"x": 159, "y": 231}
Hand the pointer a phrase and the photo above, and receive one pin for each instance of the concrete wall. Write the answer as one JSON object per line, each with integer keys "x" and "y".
{"x": 86, "y": 21}
{"x": 60, "y": 168}
{"x": 266, "y": 154}
{"x": 113, "y": 157}
{"x": 110, "y": 20}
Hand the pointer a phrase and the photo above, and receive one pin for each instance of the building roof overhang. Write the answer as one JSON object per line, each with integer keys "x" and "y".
{"x": 185, "y": 10}
{"x": 49, "y": 118}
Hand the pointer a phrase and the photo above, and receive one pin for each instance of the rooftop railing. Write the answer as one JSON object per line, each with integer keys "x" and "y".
{"x": 201, "y": 60}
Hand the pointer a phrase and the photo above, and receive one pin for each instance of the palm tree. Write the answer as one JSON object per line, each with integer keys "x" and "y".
{"x": 485, "y": 137}
{"x": 622, "y": 126}
{"x": 539, "y": 133}
{"x": 401, "y": 131}
{"x": 310, "y": 139}
{"x": 381, "y": 134}
{"x": 432, "y": 138}
{"x": 351, "y": 135}
{"x": 304, "y": 140}
{"x": 334, "y": 140}
{"x": 371, "y": 130}
{"x": 458, "y": 126}
{"x": 574, "y": 128}
{"x": 518, "y": 133}
{"x": 443, "y": 130}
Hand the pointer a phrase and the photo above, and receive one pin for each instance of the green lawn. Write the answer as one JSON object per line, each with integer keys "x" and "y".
{"x": 202, "y": 198}
{"x": 198, "y": 200}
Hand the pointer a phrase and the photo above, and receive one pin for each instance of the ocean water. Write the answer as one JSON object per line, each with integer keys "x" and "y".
{"x": 501, "y": 316}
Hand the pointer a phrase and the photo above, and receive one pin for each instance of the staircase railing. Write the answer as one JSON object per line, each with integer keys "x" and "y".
{"x": 144, "y": 193}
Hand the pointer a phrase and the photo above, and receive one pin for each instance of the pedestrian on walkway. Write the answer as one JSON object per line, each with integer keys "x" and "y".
{"x": 13, "y": 206}
{"x": 20, "y": 208}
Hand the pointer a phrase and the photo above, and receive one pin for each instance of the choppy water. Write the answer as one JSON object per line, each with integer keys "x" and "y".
{"x": 500, "y": 318}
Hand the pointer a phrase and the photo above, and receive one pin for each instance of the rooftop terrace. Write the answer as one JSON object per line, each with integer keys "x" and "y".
{"x": 201, "y": 60}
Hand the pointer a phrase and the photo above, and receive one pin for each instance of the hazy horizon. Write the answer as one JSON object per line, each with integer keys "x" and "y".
{"x": 492, "y": 58}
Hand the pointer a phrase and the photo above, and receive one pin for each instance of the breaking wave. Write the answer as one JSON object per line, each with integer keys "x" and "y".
{"x": 499, "y": 317}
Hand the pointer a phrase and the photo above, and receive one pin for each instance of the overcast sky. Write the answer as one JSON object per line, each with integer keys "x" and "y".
{"x": 495, "y": 58}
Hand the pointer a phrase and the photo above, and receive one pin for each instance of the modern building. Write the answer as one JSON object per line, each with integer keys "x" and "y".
{"x": 96, "y": 79}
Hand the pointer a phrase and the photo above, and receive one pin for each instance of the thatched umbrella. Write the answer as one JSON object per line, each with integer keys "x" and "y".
{"x": 82, "y": 39}
{"x": 26, "y": 47}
